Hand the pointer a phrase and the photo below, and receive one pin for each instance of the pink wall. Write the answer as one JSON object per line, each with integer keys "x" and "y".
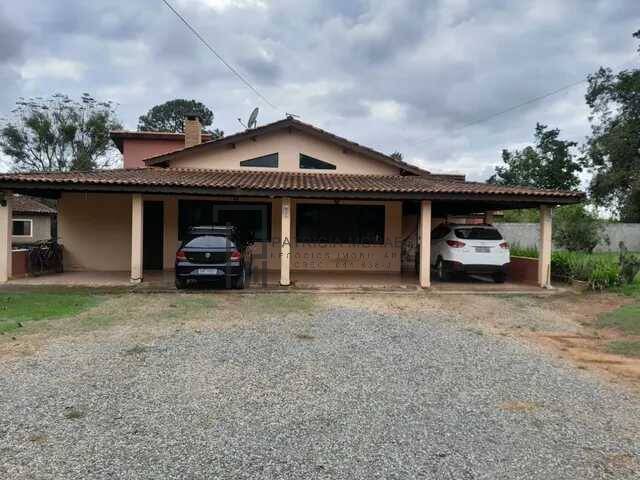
{"x": 136, "y": 150}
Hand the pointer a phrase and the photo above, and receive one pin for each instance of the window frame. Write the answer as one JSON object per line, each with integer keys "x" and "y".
{"x": 324, "y": 165}
{"x": 267, "y": 157}
{"x": 214, "y": 204}
{"x": 362, "y": 240}
{"x": 29, "y": 221}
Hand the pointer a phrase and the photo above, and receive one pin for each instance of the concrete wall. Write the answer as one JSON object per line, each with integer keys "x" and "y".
{"x": 136, "y": 150}
{"x": 95, "y": 232}
{"x": 289, "y": 146}
{"x": 41, "y": 228}
{"x": 528, "y": 235}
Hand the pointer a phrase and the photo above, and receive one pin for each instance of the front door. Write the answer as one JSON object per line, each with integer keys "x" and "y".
{"x": 153, "y": 236}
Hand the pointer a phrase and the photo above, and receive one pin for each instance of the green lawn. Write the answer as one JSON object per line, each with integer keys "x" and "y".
{"x": 629, "y": 348}
{"x": 17, "y": 308}
{"x": 626, "y": 319}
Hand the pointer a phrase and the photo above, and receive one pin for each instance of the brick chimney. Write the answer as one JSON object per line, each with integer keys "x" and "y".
{"x": 192, "y": 130}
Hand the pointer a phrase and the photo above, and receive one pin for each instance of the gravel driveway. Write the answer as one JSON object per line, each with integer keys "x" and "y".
{"x": 335, "y": 393}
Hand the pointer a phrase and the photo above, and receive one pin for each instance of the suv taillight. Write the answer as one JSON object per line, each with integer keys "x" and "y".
{"x": 181, "y": 256}
{"x": 504, "y": 245}
{"x": 455, "y": 243}
{"x": 235, "y": 256}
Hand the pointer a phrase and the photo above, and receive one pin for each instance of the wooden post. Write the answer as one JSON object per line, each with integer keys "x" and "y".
{"x": 425, "y": 244}
{"x": 285, "y": 242}
{"x": 137, "y": 226}
{"x": 6, "y": 231}
{"x": 544, "y": 260}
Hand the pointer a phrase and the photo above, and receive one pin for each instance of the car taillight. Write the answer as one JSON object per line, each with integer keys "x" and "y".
{"x": 181, "y": 256}
{"x": 455, "y": 243}
{"x": 504, "y": 245}
{"x": 235, "y": 256}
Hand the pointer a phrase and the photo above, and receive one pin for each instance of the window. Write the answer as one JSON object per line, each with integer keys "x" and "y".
{"x": 22, "y": 227}
{"x": 350, "y": 224}
{"x": 439, "y": 232}
{"x": 307, "y": 162}
{"x": 211, "y": 241}
{"x": 254, "y": 218}
{"x": 477, "y": 233}
{"x": 268, "y": 161}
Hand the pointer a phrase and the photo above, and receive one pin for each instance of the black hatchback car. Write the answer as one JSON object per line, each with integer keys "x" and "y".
{"x": 212, "y": 254}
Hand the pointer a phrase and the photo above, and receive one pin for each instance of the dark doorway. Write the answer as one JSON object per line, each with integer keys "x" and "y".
{"x": 153, "y": 236}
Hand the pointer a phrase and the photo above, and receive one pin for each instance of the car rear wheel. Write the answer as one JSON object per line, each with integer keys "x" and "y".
{"x": 181, "y": 283}
{"x": 441, "y": 272}
{"x": 241, "y": 281}
{"x": 499, "y": 277}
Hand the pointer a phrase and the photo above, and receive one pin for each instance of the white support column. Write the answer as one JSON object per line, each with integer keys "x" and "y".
{"x": 137, "y": 219}
{"x": 6, "y": 230}
{"x": 544, "y": 260}
{"x": 285, "y": 242}
{"x": 425, "y": 244}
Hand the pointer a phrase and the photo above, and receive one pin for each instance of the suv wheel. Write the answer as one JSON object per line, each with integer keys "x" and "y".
{"x": 441, "y": 272}
{"x": 181, "y": 283}
{"x": 241, "y": 281}
{"x": 499, "y": 277}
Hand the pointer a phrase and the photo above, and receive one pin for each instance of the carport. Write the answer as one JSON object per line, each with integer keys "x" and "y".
{"x": 103, "y": 229}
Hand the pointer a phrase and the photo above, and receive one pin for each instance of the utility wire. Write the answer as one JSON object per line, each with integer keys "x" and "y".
{"x": 219, "y": 57}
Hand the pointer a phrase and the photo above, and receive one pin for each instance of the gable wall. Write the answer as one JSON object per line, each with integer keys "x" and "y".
{"x": 288, "y": 146}
{"x": 135, "y": 150}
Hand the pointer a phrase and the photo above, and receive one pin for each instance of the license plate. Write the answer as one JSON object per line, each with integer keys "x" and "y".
{"x": 483, "y": 249}
{"x": 209, "y": 271}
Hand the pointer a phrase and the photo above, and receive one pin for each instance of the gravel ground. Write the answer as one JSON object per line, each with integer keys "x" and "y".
{"x": 343, "y": 393}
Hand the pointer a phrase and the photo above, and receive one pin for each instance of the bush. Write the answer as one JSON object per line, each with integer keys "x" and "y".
{"x": 577, "y": 229}
{"x": 599, "y": 271}
{"x": 518, "y": 251}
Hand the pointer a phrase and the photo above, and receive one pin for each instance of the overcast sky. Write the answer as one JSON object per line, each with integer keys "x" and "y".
{"x": 394, "y": 75}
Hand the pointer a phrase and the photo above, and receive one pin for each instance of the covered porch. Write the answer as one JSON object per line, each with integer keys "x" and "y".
{"x": 312, "y": 229}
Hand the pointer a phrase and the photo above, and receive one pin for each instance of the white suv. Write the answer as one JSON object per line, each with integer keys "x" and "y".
{"x": 473, "y": 249}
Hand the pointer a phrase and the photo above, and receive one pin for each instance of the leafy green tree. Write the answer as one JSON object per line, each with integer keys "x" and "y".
{"x": 577, "y": 229}
{"x": 548, "y": 164}
{"x": 612, "y": 151}
{"x": 169, "y": 117}
{"x": 60, "y": 134}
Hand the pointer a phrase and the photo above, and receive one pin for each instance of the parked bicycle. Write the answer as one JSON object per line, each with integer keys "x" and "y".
{"x": 45, "y": 257}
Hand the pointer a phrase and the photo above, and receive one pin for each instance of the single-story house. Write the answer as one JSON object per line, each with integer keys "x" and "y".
{"x": 32, "y": 220}
{"x": 314, "y": 200}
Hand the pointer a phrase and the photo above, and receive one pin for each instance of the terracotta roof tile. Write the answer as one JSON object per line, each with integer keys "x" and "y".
{"x": 24, "y": 204}
{"x": 278, "y": 181}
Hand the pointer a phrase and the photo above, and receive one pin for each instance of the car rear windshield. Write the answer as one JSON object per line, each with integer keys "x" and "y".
{"x": 210, "y": 241}
{"x": 476, "y": 233}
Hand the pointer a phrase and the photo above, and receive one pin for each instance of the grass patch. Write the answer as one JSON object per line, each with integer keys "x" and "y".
{"x": 626, "y": 319}
{"x": 628, "y": 348}
{"x": 135, "y": 350}
{"x": 16, "y": 308}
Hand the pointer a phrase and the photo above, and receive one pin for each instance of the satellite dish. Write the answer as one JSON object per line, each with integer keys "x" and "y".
{"x": 253, "y": 118}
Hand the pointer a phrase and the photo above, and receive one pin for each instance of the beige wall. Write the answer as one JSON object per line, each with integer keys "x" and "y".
{"x": 95, "y": 230}
{"x": 288, "y": 146}
{"x": 41, "y": 228}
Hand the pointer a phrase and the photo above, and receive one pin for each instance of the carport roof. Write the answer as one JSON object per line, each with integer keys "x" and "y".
{"x": 279, "y": 183}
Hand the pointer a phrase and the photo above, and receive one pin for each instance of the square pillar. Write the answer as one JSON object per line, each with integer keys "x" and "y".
{"x": 6, "y": 232}
{"x": 425, "y": 243}
{"x": 544, "y": 260}
{"x": 170, "y": 233}
{"x": 285, "y": 242}
{"x": 137, "y": 226}
{"x": 488, "y": 217}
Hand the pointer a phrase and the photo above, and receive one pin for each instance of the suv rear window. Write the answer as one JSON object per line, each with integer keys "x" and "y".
{"x": 210, "y": 241}
{"x": 476, "y": 233}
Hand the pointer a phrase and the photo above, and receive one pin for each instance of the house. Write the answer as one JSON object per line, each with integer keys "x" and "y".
{"x": 315, "y": 201}
{"x": 32, "y": 221}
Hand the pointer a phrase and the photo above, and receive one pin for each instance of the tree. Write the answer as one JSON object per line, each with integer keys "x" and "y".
{"x": 548, "y": 164}
{"x": 577, "y": 229}
{"x": 612, "y": 151}
{"x": 169, "y": 117}
{"x": 60, "y": 134}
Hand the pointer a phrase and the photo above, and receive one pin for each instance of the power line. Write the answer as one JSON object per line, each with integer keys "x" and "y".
{"x": 218, "y": 56}
{"x": 515, "y": 107}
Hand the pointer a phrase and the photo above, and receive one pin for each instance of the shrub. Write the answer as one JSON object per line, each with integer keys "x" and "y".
{"x": 599, "y": 271}
{"x": 577, "y": 229}
{"x": 519, "y": 251}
